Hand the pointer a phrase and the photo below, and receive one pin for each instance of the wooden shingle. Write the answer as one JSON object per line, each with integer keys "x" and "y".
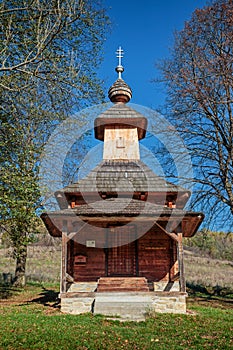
{"x": 124, "y": 176}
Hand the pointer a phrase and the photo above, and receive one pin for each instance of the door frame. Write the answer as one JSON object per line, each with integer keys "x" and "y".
{"x": 135, "y": 252}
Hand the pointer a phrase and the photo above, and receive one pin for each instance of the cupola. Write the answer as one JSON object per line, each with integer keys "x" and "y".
{"x": 120, "y": 127}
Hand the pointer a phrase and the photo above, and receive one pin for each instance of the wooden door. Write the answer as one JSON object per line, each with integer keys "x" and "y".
{"x": 121, "y": 258}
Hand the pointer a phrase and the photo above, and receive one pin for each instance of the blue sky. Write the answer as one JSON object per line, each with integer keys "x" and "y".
{"x": 145, "y": 31}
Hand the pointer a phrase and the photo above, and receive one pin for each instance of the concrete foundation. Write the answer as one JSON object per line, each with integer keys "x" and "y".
{"x": 77, "y": 304}
{"x": 125, "y": 305}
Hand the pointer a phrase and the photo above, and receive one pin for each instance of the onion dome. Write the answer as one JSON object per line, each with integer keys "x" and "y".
{"x": 119, "y": 92}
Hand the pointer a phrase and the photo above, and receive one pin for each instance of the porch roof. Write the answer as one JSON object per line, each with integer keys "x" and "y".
{"x": 123, "y": 210}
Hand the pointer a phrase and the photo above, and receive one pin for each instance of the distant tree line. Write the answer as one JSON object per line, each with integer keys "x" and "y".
{"x": 216, "y": 245}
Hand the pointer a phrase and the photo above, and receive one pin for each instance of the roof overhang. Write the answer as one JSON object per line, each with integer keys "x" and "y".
{"x": 129, "y": 122}
{"x": 188, "y": 222}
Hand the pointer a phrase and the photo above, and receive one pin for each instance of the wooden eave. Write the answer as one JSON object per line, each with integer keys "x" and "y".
{"x": 180, "y": 197}
{"x": 123, "y": 115}
{"x": 189, "y": 221}
{"x": 130, "y": 122}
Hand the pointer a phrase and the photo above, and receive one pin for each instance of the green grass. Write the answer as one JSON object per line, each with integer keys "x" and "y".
{"x": 31, "y": 319}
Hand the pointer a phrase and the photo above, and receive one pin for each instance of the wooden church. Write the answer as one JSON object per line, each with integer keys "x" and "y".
{"x": 122, "y": 225}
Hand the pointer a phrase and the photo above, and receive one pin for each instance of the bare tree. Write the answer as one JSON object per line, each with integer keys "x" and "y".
{"x": 199, "y": 81}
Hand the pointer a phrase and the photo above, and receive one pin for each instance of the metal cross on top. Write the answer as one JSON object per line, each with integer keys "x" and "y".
{"x": 120, "y": 54}
{"x": 119, "y": 68}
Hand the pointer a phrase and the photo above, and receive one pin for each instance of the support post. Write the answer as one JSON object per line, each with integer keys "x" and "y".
{"x": 63, "y": 258}
{"x": 174, "y": 269}
{"x": 181, "y": 262}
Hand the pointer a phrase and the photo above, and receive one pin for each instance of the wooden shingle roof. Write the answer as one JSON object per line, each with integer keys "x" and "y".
{"x": 122, "y": 176}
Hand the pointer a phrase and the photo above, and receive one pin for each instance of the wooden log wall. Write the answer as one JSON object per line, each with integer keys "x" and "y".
{"x": 154, "y": 256}
{"x": 88, "y": 263}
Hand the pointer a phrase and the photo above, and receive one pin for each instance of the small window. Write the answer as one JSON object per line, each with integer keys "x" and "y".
{"x": 80, "y": 259}
{"x": 120, "y": 142}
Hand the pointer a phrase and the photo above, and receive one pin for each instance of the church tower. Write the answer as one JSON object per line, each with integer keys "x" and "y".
{"x": 120, "y": 127}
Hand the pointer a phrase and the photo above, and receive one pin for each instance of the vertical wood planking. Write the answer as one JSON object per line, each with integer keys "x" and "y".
{"x": 121, "y": 143}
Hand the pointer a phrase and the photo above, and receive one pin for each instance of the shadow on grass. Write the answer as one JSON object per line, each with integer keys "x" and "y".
{"x": 7, "y": 291}
{"x": 47, "y": 297}
{"x": 210, "y": 291}
{"x": 217, "y": 294}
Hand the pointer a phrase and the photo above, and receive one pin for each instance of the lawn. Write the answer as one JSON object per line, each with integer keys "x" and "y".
{"x": 31, "y": 319}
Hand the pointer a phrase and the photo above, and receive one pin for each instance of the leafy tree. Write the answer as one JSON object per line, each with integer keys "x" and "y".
{"x": 199, "y": 81}
{"x": 49, "y": 54}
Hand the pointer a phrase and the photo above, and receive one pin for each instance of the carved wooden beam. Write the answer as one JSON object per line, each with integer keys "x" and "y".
{"x": 176, "y": 277}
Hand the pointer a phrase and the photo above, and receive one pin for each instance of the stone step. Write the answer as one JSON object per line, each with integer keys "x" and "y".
{"x": 82, "y": 287}
{"x": 123, "y": 285}
{"x": 131, "y": 306}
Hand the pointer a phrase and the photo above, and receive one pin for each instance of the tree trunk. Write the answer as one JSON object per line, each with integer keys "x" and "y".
{"x": 20, "y": 280}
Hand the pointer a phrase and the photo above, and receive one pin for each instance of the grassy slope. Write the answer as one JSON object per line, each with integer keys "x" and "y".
{"x": 214, "y": 274}
{"x": 31, "y": 320}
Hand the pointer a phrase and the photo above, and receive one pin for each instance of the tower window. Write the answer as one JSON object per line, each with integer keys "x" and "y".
{"x": 120, "y": 142}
